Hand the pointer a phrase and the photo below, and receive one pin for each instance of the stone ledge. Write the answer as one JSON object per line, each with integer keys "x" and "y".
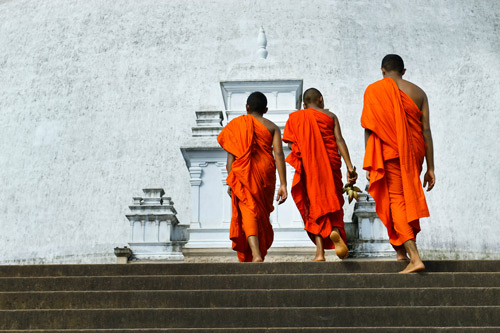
{"x": 275, "y": 254}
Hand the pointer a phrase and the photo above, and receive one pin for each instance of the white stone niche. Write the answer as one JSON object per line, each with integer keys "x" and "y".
{"x": 283, "y": 97}
{"x": 206, "y": 162}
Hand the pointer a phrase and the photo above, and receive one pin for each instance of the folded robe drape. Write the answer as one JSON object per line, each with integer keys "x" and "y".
{"x": 317, "y": 182}
{"x": 394, "y": 155}
{"x": 252, "y": 180}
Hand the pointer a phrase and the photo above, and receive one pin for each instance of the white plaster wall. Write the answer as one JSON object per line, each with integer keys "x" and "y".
{"x": 96, "y": 97}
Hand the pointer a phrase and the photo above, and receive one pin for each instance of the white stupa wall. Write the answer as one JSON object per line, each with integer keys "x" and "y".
{"x": 97, "y": 97}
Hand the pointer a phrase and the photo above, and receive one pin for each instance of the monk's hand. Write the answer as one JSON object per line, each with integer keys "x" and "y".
{"x": 352, "y": 176}
{"x": 282, "y": 194}
{"x": 229, "y": 191}
{"x": 368, "y": 175}
{"x": 351, "y": 179}
{"x": 429, "y": 180}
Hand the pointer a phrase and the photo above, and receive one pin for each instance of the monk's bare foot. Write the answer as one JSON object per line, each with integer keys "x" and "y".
{"x": 340, "y": 248}
{"x": 416, "y": 264}
{"x": 257, "y": 259}
{"x": 320, "y": 251}
{"x": 401, "y": 253}
{"x": 414, "y": 267}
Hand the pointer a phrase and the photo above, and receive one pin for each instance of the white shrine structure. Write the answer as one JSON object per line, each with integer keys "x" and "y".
{"x": 156, "y": 234}
{"x": 206, "y": 161}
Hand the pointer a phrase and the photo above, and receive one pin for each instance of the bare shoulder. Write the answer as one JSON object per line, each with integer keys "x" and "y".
{"x": 272, "y": 127}
{"x": 330, "y": 113}
{"x": 416, "y": 93}
{"x": 417, "y": 89}
{"x": 334, "y": 117}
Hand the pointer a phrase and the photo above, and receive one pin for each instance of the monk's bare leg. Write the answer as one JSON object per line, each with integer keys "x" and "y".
{"x": 401, "y": 252}
{"x": 253, "y": 242}
{"x": 416, "y": 264}
{"x": 320, "y": 251}
{"x": 340, "y": 247}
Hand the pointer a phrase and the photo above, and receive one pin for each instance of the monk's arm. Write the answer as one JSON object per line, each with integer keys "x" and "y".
{"x": 279, "y": 156}
{"x": 343, "y": 150}
{"x": 429, "y": 177}
{"x": 367, "y": 135}
{"x": 229, "y": 165}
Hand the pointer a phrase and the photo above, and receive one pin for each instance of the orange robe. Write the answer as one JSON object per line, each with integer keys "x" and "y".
{"x": 394, "y": 155}
{"x": 252, "y": 180}
{"x": 317, "y": 182}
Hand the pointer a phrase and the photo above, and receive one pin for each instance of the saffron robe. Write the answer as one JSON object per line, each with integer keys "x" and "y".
{"x": 317, "y": 182}
{"x": 394, "y": 155}
{"x": 252, "y": 180}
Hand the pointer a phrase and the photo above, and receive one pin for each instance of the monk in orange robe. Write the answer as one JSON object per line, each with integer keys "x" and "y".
{"x": 314, "y": 136}
{"x": 250, "y": 141}
{"x": 398, "y": 138}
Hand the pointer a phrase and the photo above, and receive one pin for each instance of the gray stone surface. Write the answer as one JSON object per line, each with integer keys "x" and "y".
{"x": 290, "y": 296}
{"x": 96, "y": 98}
{"x": 275, "y": 254}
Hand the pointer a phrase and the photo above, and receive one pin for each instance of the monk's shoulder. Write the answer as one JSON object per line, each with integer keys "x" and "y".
{"x": 272, "y": 127}
{"x": 230, "y": 124}
{"x": 330, "y": 114}
{"x": 373, "y": 86}
{"x": 230, "y": 129}
{"x": 294, "y": 116}
{"x": 236, "y": 120}
{"x": 414, "y": 88}
{"x": 416, "y": 93}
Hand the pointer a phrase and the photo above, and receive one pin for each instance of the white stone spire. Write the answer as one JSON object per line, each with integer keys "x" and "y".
{"x": 262, "y": 43}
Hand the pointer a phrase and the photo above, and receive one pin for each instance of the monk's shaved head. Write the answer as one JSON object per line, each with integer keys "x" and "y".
{"x": 257, "y": 102}
{"x": 312, "y": 96}
{"x": 393, "y": 62}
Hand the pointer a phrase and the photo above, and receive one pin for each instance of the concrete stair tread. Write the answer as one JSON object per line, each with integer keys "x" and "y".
{"x": 242, "y": 290}
{"x": 424, "y": 316}
{"x": 349, "y": 296}
{"x": 242, "y": 308}
{"x": 346, "y": 266}
{"x": 249, "y": 281}
{"x": 280, "y": 329}
{"x": 252, "y": 298}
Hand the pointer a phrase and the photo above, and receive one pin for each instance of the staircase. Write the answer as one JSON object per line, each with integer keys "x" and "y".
{"x": 349, "y": 296}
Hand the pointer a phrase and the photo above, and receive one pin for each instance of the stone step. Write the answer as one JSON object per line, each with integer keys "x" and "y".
{"x": 347, "y": 266}
{"x": 353, "y": 296}
{"x": 281, "y": 330}
{"x": 428, "y": 316}
{"x": 249, "y": 281}
{"x": 371, "y": 297}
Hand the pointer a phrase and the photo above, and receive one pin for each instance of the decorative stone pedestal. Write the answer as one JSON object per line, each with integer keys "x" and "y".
{"x": 371, "y": 238}
{"x": 122, "y": 254}
{"x": 155, "y": 231}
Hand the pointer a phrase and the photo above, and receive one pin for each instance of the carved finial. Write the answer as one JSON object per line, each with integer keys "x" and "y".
{"x": 262, "y": 43}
